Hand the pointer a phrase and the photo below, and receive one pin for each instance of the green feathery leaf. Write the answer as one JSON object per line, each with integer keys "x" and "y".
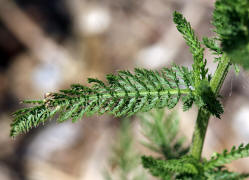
{"x": 124, "y": 95}
{"x": 212, "y": 45}
{"x": 218, "y": 160}
{"x": 162, "y": 168}
{"x": 231, "y": 21}
{"x": 208, "y": 99}
{"x": 184, "y": 27}
{"x": 125, "y": 160}
{"x": 162, "y": 133}
{"x": 221, "y": 174}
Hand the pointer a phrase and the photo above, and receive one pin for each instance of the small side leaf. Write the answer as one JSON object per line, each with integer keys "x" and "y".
{"x": 226, "y": 157}
{"x": 208, "y": 100}
{"x": 212, "y": 45}
{"x": 161, "y": 168}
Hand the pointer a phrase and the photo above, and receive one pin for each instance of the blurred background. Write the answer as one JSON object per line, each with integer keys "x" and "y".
{"x": 47, "y": 45}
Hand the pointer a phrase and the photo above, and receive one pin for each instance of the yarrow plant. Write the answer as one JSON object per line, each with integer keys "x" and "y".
{"x": 126, "y": 94}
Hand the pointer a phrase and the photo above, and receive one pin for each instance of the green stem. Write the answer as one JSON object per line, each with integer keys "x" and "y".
{"x": 203, "y": 115}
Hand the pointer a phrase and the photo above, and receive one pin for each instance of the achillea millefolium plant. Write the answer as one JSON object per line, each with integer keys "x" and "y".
{"x": 126, "y": 94}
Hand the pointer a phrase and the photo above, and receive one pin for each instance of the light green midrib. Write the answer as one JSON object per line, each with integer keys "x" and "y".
{"x": 132, "y": 94}
{"x": 142, "y": 93}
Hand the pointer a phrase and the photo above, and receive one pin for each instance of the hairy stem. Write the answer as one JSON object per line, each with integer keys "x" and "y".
{"x": 203, "y": 115}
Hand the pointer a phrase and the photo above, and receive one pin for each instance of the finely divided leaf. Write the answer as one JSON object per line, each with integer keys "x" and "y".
{"x": 226, "y": 157}
{"x": 184, "y": 165}
{"x": 124, "y": 95}
{"x": 231, "y": 21}
{"x": 184, "y": 27}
